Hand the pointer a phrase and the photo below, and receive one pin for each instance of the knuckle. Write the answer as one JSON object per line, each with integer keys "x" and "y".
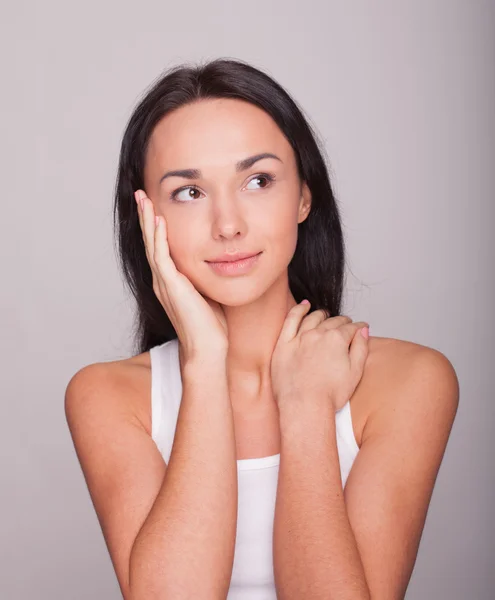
{"x": 336, "y": 333}
{"x": 311, "y": 334}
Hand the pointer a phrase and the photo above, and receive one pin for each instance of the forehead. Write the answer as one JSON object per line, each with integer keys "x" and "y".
{"x": 215, "y": 133}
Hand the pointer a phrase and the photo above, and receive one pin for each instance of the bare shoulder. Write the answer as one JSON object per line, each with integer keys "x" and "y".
{"x": 130, "y": 382}
{"x": 391, "y": 360}
{"x": 107, "y": 406}
{"x": 391, "y": 352}
{"x": 410, "y": 393}
{"x": 402, "y": 373}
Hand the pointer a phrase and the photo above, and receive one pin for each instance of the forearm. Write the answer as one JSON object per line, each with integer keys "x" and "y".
{"x": 315, "y": 551}
{"x": 185, "y": 547}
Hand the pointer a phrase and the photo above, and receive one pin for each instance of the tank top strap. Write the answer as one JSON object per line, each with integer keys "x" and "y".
{"x": 346, "y": 441}
{"x": 166, "y": 392}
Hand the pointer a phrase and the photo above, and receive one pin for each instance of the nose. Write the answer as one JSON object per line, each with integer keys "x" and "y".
{"x": 228, "y": 221}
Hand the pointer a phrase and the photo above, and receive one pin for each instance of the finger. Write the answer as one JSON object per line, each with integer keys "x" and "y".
{"x": 320, "y": 318}
{"x": 155, "y": 280}
{"x": 138, "y": 194}
{"x": 163, "y": 261}
{"x": 158, "y": 277}
{"x": 148, "y": 220}
{"x": 334, "y": 322}
{"x": 139, "y": 214}
{"x": 358, "y": 354}
{"x": 313, "y": 320}
{"x": 292, "y": 322}
{"x": 348, "y": 331}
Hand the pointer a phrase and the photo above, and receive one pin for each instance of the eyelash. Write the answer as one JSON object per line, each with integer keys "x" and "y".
{"x": 173, "y": 195}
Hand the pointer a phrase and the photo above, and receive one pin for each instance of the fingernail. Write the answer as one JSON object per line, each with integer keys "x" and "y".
{"x": 365, "y": 332}
{"x": 305, "y": 302}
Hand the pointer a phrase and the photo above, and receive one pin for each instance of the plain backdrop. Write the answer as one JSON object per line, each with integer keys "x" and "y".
{"x": 403, "y": 97}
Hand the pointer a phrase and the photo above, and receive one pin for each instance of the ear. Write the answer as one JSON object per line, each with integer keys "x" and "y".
{"x": 304, "y": 203}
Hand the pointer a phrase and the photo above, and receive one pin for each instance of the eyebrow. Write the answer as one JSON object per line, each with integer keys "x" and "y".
{"x": 242, "y": 165}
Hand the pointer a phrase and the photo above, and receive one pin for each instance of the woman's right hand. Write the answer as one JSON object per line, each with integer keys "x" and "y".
{"x": 199, "y": 322}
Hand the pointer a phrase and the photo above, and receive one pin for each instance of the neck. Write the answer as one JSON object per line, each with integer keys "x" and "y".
{"x": 253, "y": 333}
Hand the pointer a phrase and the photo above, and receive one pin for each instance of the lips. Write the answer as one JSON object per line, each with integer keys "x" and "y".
{"x": 232, "y": 268}
{"x": 233, "y": 257}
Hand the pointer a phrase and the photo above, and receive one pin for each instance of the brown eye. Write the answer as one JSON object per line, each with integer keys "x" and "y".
{"x": 263, "y": 177}
{"x": 188, "y": 196}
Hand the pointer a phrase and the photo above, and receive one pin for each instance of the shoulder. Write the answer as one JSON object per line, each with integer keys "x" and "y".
{"x": 394, "y": 358}
{"x": 122, "y": 386}
{"x": 405, "y": 380}
{"x": 412, "y": 392}
{"x": 122, "y": 465}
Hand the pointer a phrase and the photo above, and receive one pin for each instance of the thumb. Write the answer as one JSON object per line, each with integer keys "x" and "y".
{"x": 292, "y": 321}
{"x": 358, "y": 352}
{"x": 217, "y": 308}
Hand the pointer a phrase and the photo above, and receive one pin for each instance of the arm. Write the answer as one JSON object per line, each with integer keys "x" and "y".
{"x": 185, "y": 548}
{"x": 315, "y": 552}
{"x": 363, "y": 542}
{"x": 170, "y": 529}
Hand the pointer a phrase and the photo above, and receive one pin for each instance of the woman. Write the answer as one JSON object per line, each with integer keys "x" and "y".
{"x": 222, "y": 459}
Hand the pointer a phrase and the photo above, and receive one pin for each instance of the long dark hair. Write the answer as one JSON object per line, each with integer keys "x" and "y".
{"x": 316, "y": 271}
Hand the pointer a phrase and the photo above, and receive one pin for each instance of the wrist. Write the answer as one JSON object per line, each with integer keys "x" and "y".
{"x": 296, "y": 413}
{"x": 198, "y": 357}
{"x": 204, "y": 366}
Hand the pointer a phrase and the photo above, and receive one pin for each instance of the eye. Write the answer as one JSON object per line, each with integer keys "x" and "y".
{"x": 189, "y": 188}
{"x": 264, "y": 176}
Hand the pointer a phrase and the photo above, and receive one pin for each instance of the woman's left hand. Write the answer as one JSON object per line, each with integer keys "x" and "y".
{"x": 312, "y": 361}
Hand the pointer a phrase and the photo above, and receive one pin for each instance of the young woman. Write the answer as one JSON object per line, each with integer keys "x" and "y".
{"x": 222, "y": 459}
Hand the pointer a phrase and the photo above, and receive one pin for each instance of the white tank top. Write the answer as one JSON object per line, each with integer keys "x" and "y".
{"x": 252, "y": 573}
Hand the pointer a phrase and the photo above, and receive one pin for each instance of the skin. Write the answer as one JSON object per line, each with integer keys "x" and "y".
{"x": 402, "y": 409}
{"x": 408, "y": 393}
{"x": 228, "y": 211}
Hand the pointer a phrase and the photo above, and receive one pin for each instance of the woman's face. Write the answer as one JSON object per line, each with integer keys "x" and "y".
{"x": 222, "y": 209}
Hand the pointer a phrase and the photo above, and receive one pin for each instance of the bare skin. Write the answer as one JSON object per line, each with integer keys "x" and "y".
{"x": 218, "y": 209}
{"x": 223, "y": 179}
{"x": 225, "y": 209}
{"x": 257, "y": 431}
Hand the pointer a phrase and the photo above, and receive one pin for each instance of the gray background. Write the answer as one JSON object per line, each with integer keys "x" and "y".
{"x": 403, "y": 95}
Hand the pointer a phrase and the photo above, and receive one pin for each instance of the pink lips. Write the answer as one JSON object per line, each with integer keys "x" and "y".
{"x": 237, "y": 267}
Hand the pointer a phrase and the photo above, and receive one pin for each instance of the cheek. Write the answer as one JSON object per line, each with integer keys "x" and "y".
{"x": 179, "y": 247}
{"x": 184, "y": 253}
{"x": 281, "y": 230}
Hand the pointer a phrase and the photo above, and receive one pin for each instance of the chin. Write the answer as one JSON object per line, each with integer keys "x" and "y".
{"x": 238, "y": 291}
{"x": 241, "y": 298}
{"x": 233, "y": 292}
